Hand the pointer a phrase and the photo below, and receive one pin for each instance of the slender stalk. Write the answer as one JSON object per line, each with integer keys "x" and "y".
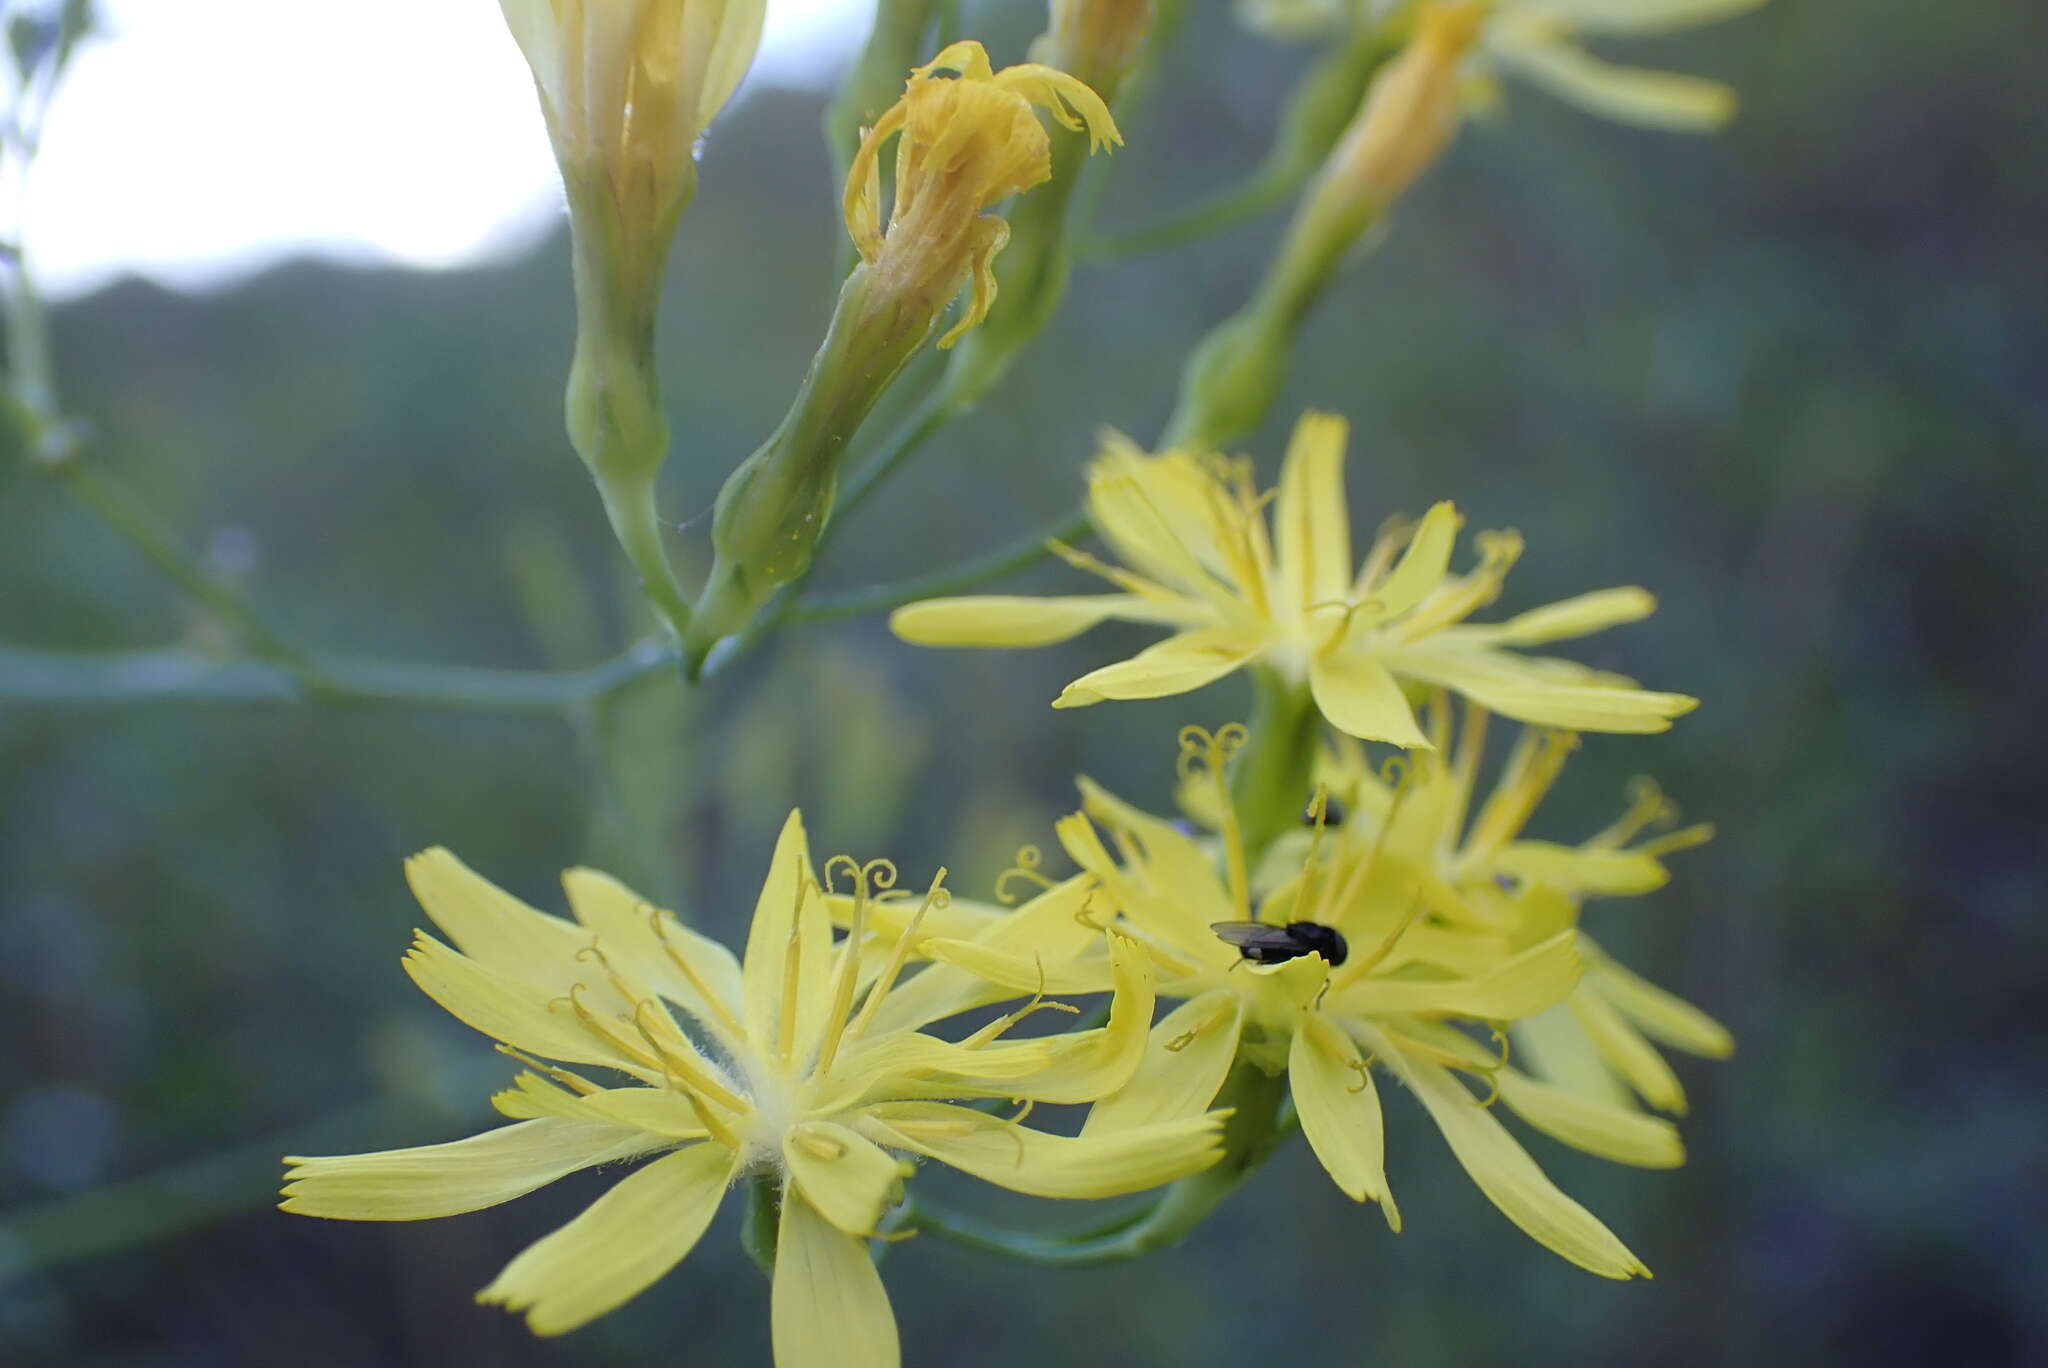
{"x": 108, "y": 499}
{"x": 761, "y": 1221}
{"x": 29, "y": 675}
{"x": 1271, "y": 779}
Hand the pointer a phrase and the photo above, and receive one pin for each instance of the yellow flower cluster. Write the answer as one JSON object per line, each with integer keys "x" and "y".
{"x": 808, "y": 1065}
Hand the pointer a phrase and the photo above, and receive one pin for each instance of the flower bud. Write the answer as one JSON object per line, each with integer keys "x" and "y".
{"x": 627, "y": 86}
{"x": 1409, "y": 115}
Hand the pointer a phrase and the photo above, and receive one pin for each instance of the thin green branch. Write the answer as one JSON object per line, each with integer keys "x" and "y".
{"x": 108, "y": 499}
{"x": 29, "y": 675}
{"x": 1026, "y": 550}
{"x": 1129, "y": 1236}
{"x": 197, "y": 1193}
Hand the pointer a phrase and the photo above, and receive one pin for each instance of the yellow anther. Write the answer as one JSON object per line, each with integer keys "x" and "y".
{"x": 819, "y": 1145}
{"x": 574, "y": 1082}
{"x": 660, "y": 921}
{"x": 792, "y": 968}
{"x": 934, "y": 896}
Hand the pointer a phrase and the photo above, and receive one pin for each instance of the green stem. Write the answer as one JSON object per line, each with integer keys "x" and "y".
{"x": 124, "y": 514}
{"x": 1318, "y": 110}
{"x": 1249, "y": 1137}
{"x": 101, "y": 678}
{"x": 761, "y": 1222}
{"x": 1026, "y": 550}
{"x": 1272, "y": 777}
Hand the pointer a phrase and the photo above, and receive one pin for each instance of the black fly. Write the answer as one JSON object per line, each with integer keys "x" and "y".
{"x": 1269, "y": 943}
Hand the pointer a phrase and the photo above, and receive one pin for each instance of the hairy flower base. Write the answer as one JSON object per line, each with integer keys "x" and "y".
{"x": 1199, "y": 556}
{"x": 806, "y": 1062}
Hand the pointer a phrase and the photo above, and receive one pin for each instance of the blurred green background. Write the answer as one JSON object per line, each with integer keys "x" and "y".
{"x": 1790, "y": 377}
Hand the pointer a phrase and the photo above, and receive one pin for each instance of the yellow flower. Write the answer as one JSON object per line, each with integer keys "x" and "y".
{"x": 806, "y": 1064}
{"x": 1539, "y": 40}
{"x": 1193, "y": 532}
{"x": 963, "y": 146}
{"x": 1491, "y": 880}
{"x": 1397, "y": 1000}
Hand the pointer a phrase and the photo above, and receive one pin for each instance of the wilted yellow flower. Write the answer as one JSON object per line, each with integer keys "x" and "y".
{"x": 963, "y": 146}
{"x": 806, "y": 1064}
{"x": 1395, "y": 997}
{"x": 1540, "y": 40}
{"x": 1487, "y": 878}
{"x": 1193, "y": 532}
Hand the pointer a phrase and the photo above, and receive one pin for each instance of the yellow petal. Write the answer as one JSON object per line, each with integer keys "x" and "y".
{"x": 1179, "y": 664}
{"x": 900, "y": 1065}
{"x": 658, "y": 1111}
{"x": 1422, "y": 566}
{"x": 1646, "y": 16}
{"x": 1158, "y": 523}
{"x": 626, "y": 924}
{"x": 462, "y": 1175}
{"x": 1361, "y": 698}
{"x": 1570, "y": 869}
{"x": 1661, "y": 1015}
{"x": 1010, "y": 620}
{"x": 1525, "y": 690}
{"x": 1187, "y": 1057}
{"x": 1312, "y": 523}
{"x": 1024, "y": 1160}
{"x": 619, "y": 1246}
{"x": 1340, "y": 1112}
{"x": 510, "y": 1009}
{"x": 1573, "y": 617}
{"x": 1555, "y": 1047}
{"x": 846, "y": 1177}
{"x": 1627, "y": 1053}
{"x": 1539, "y": 977}
{"x": 769, "y": 945}
{"x": 496, "y": 929}
{"x": 828, "y": 1308}
{"x": 1503, "y": 1170}
{"x": 1651, "y": 99}
{"x": 1622, "y": 1134}
{"x": 1185, "y": 893}
{"x": 1086, "y": 1065}
{"x": 1052, "y": 926}
{"x": 1022, "y": 971}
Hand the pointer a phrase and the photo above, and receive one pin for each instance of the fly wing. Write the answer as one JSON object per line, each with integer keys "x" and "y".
{"x": 1254, "y": 935}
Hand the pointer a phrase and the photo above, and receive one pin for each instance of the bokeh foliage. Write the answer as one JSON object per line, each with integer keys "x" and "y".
{"x": 1789, "y": 377}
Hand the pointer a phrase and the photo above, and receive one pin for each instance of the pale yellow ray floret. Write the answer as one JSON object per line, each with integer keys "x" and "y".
{"x": 1267, "y": 579}
{"x": 807, "y": 1063}
{"x": 1544, "y": 42}
{"x": 1401, "y": 1002}
{"x": 1598, "y": 1043}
